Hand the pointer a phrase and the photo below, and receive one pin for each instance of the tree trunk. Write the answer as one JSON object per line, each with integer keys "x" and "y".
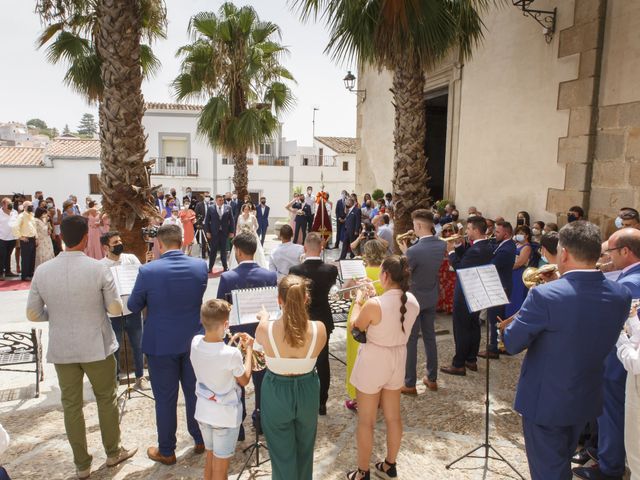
{"x": 240, "y": 174}
{"x": 125, "y": 177}
{"x": 410, "y": 176}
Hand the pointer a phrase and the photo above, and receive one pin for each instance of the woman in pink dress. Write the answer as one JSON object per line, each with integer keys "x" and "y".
{"x": 94, "y": 249}
{"x": 188, "y": 219}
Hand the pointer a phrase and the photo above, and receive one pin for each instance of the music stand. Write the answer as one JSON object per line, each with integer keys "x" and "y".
{"x": 254, "y": 447}
{"x": 126, "y": 394}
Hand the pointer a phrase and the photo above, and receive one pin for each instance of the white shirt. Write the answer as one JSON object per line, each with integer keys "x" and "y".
{"x": 216, "y": 366}
{"x": 125, "y": 259}
{"x": 386, "y": 234}
{"x": 311, "y": 201}
{"x": 284, "y": 257}
{"x": 6, "y": 225}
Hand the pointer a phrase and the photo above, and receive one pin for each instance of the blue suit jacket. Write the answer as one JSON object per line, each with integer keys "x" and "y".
{"x": 613, "y": 368}
{"x": 569, "y": 326}
{"x": 504, "y": 256}
{"x": 480, "y": 253}
{"x": 171, "y": 288}
{"x": 351, "y": 225}
{"x": 214, "y": 225}
{"x": 263, "y": 220}
{"x": 245, "y": 275}
{"x": 340, "y": 210}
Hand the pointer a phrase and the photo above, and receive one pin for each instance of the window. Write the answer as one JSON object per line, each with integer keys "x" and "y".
{"x": 94, "y": 184}
{"x": 265, "y": 149}
{"x": 305, "y": 161}
{"x": 320, "y": 155}
{"x": 345, "y": 166}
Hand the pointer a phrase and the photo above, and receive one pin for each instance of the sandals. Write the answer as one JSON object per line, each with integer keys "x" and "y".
{"x": 358, "y": 475}
{"x": 390, "y": 472}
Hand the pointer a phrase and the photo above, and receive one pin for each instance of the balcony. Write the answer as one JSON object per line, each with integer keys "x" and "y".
{"x": 262, "y": 160}
{"x": 318, "y": 160}
{"x": 175, "y": 166}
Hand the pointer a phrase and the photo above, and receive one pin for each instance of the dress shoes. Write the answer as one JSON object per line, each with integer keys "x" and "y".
{"x": 154, "y": 454}
{"x": 411, "y": 391}
{"x": 593, "y": 473}
{"x": 82, "y": 474}
{"x": 322, "y": 410}
{"x": 488, "y": 354}
{"x": 433, "y": 386}
{"x": 122, "y": 455}
{"x": 584, "y": 455}
{"x": 198, "y": 448}
{"x": 473, "y": 366}
{"x": 451, "y": 370}
{"x": 11, "y": 275}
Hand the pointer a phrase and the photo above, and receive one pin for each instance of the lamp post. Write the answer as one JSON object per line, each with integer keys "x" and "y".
{"x": 545, "y": 18}
{"x": 313, "y": 123}
{"x": 350, "y": 83}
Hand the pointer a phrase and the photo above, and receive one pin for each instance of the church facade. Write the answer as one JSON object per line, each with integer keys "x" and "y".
{"x": 529, "y": 123}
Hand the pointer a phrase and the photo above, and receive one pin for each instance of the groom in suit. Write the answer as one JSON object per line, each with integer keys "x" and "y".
{"x": 350, "y": 229}
{"x": 248, "y": 274}
{"x": 262, "y": 215}
{"x": 219, "y": 226}
{"x": 323, "y": 276}
{"x": 466, "y": 324}
{"x": 569, "y": 326}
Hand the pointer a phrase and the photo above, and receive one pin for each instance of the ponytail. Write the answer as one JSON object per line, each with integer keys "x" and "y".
{"x": 292, "y": 290}
{"x": 398, "y": 269}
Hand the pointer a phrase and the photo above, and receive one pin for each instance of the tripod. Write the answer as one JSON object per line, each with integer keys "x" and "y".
{"x": 488, "y": 448}
{"x": 127, "y": 392}
{"x": 254, "y": 447}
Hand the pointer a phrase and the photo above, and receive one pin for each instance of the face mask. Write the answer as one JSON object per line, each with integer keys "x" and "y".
{"x": 544, "y": 259}
{"x": 161, "y": 196}
{"x": 188, "y": 192}
{"x": 571, "y": 218}
{"x": 30, "y": 209}
{"x": 618, "y": 222}
{"x": 117, "y": 249}
{"x": 520, "y": 221}
{"x": 535, "y": 231}
{"x": 40, "y": 197}
{"x": 263, "y": 202}
{"x": 519, "y": 238}
{"x": 208, "y": 199}
{"x": 9, "y": 207}
{"x": 49, "y": 205}
{"x": 235, "y": 197}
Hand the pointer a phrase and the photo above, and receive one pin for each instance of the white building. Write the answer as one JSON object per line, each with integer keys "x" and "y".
{"x": 18, "y": 135}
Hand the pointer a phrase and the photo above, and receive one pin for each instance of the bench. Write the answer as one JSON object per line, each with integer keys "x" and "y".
{"x": 22, "y": 348}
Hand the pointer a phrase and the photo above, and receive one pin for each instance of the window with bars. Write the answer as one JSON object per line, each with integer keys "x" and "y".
{"x": 94, "y": 184}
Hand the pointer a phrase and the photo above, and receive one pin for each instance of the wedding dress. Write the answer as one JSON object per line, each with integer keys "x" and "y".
{"x": 249, "y": 224}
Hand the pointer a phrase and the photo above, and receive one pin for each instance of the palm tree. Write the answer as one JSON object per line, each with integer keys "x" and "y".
{"x": 101, "y": 42}
{"x": 234, "y": 66}
{"x": 406, "y": 37}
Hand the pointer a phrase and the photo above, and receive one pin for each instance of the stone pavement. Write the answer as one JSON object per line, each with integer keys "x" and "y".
{"x": 439, "y": 426}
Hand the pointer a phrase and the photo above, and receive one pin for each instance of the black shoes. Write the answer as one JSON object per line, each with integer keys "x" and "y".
{"x": 322, "y": 410}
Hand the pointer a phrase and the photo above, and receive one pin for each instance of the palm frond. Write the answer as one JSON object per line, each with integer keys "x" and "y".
{"x": 149, "y": 62}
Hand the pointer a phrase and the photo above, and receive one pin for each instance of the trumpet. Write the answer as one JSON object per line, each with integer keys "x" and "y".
{"x": 454, "y": 238}
{"x": 258, "y": 363}
{"x": 408, "y": 237}
{"x": 335, "y": 294}
{"x": 532, "y": 276}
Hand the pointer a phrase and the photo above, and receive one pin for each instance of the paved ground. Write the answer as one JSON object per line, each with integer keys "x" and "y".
{"x": 438, "y": 426}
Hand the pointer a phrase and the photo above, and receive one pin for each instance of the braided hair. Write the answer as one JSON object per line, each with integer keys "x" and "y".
{"x": 398, "y": 269}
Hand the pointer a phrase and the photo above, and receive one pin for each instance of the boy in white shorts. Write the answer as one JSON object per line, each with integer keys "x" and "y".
{"x": 220, "y": 371}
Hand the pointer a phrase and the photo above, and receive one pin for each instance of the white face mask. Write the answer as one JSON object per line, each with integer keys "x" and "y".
{"x": 544, "y": 259}
{"x": 618, "y": 222}
{"x": 535, "y": 231}
{"x": 519, "y": 238}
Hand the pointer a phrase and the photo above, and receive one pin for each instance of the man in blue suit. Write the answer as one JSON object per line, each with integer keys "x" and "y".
{"x": 504, "y": 256}
{"x": 466, "y": 324}
{"x": 340, "y": 217}
{"x": 247, "y": 274}
{"x": 262, "y": 215}
{"x": 569, "y": 326}
{"x": 171, "y": 288}
{"x": 611, "y": 450}
{"x": 350, "y": 231}
{"x": 219, "y": 226}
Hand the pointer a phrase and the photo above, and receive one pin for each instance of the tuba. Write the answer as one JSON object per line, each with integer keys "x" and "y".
{"x": 258, "y": 362}
{"x": 407, "y": 238}
{"x": 532, "y": 276}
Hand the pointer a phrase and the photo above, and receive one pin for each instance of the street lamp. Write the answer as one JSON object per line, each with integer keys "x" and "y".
{"x": 350, "y": 83}
{"x": 545, "y": 18}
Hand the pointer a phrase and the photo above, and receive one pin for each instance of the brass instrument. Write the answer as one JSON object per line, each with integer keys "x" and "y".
{"x": 336, "y": 294}
{"x": 258, "y": 362}
{"x": 532, "y": 276}
{"x": 453, "y": 238}
{"x": 408, "y": 237}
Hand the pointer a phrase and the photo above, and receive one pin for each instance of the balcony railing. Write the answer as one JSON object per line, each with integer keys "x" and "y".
{"x": 263, "y": 160}
{"x": 318, "y": 161}
{"x": 175, "y": 166}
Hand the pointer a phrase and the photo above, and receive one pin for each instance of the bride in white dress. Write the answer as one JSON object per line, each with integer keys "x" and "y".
{"x": 247, "y": 222}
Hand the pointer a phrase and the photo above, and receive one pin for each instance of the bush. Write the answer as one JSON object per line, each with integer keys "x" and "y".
{"x": 377, "y": 194}
{"x": 441, "y": 204}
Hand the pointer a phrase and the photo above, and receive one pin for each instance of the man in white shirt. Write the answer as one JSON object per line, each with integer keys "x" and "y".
{"x": 129, "y": 322}
{"x": 286, "y": 254}
{"x": 8, "y": 217}
{"x": 385, "y": 232}
{"x": 310, "y": 200}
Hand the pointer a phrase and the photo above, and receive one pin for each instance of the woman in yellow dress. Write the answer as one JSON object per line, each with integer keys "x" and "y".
{"x": 374, "y": 252}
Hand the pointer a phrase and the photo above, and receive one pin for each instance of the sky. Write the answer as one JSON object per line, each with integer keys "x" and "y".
{"x": 30, "y": 87}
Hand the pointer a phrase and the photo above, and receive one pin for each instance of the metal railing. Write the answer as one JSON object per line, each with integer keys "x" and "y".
{"x": 262, "y": 160}
{"x": 318, "y": 160}
{"x": 175, "y": 166}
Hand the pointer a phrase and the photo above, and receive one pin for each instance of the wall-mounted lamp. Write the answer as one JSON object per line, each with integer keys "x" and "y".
{"x": 350, "y": 83}
{"x": 546, "y": 18}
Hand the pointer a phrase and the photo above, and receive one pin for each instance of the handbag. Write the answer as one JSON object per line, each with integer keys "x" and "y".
{"x": 359, "y": 335}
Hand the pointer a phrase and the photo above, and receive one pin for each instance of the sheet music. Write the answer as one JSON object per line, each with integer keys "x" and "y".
{"x": 482, "y": 287}
{"x": 125, "y": 278}
{"x": 352, "y": 269}
{"x": 247, "y": 304}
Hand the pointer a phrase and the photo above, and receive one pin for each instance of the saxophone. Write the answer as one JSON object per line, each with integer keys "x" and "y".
{"x": 258, "y": 362}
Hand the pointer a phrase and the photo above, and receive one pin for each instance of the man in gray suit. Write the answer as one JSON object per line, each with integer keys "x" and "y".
{"x": 425, "y": 257}
{"x": 73, "y": 293}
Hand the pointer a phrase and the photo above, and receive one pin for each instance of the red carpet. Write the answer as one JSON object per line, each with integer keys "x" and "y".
{"x": 14, "y": 285}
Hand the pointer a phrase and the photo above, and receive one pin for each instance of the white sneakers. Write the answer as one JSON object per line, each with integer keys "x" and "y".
{"x": 122, "y": 455}
{"x": 142, "y": 384}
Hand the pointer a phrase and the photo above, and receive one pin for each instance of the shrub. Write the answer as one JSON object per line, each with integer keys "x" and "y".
{"x": 377, "y": 194}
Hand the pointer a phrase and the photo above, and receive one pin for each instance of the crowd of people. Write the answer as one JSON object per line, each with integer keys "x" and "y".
{"x": 559, "y": 322}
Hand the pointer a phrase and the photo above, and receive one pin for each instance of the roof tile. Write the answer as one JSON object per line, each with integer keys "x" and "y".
{"x": 171, "y": 106}
{"x": 74, "y": 148}
{"x": 339, "y": 144}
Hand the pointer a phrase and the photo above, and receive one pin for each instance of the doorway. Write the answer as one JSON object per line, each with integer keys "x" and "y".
{"x": 436, "y": 141}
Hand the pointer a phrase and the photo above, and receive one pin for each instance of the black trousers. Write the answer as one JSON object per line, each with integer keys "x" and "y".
{"x": 301, "y": 225}
{"x": 6, "y": 249}
{"x": 218, "y": 242}
{"x": 339, "y": 227}
{"x": 28, "y": 257}
{"x": 324, "y": 372}
{"x": 346, "y": 247}
{"x": 466, "y": 334}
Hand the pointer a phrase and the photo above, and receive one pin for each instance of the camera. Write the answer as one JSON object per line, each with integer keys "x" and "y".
{"x": 150, "y": 232}
{"x": 369, "y": 232}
